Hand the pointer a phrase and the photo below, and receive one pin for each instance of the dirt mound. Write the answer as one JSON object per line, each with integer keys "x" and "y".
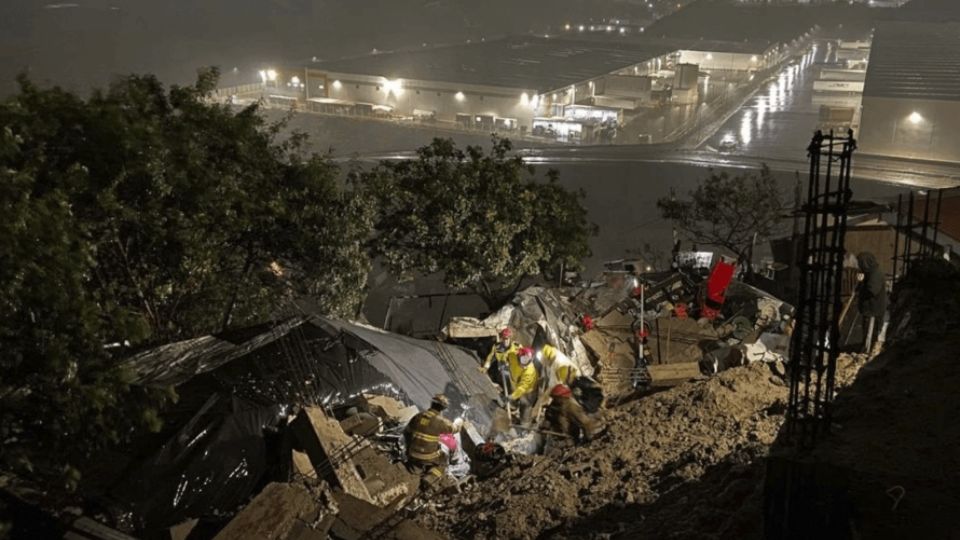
{"x": 651, "y": 449}
{"x": 897, "y": 437}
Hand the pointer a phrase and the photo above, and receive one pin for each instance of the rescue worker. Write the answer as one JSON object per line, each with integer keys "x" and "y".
{"x": 558, "y": 367}
{"x": 422, "y": 436}
{"x": 523, "y": 381}
{"x": 565, "y": 416}
{"x": 588, "y": 393}
{"x": 872, "y": 300}
{"x": 500, "y": 350}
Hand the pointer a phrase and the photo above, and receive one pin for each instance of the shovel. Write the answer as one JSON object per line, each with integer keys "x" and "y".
{"x": 506, "y": 393}
{"x": 499, "y": 424}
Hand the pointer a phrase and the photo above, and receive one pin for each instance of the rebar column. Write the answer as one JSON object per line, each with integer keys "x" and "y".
{"x": 815, "y": 341}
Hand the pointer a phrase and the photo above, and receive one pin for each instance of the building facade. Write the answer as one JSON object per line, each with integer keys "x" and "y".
{"x": 911, "y": 96}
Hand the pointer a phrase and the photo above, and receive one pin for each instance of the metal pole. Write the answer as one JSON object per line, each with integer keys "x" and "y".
{"x": 936, "y": 220}
{"x": 896, "y": 236}
{"x": 926, "y": 217}
{"x": 908, "y": 242}
{"x": 643, "y": 290}
{"x": 506, "y": 392}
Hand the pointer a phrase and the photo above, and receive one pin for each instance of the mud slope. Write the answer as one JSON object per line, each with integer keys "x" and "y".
{"x": 656, "y": 454}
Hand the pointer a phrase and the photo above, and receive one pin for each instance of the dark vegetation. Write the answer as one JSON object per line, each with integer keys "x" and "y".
{"x": 142, "y": 215}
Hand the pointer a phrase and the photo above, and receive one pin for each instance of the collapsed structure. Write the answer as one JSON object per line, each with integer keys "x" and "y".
{"x": 322, "y": 403}
{"x": 634, "y": 330}
{"x": 295, "y": 429}
{"x": 308, "y": 398}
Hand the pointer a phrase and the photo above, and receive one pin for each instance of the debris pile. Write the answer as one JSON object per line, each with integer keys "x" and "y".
{"x": 296, "y": 429}
{"x": 308, "y": 400}
{"x": 652, "y": 447}
{"x": 632, "y": 330}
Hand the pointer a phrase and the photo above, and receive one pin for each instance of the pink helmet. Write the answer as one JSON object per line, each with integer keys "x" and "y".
{"x": 506, "y": 333}
{"x": 448, "y": 440}
{"x": 525, "y": 354}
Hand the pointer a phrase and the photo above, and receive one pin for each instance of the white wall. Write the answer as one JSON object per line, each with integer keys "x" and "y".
{"x": 625, "y": 86}
{"x": 708, "y": 60}
{"x": 427, "y": 95}
{"x": 843, "y": 87}
{"x": 889, "y": 127}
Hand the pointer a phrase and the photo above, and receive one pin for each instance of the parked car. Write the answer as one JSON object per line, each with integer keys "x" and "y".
{"x": 728, "y": 144}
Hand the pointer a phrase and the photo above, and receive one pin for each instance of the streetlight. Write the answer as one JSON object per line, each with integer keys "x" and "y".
{"x": 394, "y": 87}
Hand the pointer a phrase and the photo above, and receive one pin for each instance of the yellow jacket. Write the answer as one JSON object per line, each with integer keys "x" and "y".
{"x": 559, "y": 368}
{"x": 523, "y": 378}
{"x": 499, "y": 354}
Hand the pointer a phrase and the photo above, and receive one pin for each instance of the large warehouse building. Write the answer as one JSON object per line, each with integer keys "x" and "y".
{"x": 503, "y": 84}
{"x": 911, "y": 98}
{"x": 574, "y": 85}
{"x": 519, "y": 83}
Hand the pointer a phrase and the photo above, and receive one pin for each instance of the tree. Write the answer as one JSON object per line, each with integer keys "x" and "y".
{"x": 143, "y": 215}
{"x": 479, "y": 218}
{"x": 729, "y": 212}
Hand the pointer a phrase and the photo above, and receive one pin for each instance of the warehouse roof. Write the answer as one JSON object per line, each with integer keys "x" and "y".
{"x": 523, "y": 62}
{"x": 722, "y": 21}
{"x": 915, "y": 60}
{"x": 930, "y": 10}
{"x": 676, "y": 44}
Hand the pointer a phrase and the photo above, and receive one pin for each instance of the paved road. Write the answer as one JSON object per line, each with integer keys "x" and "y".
{"x": 929, "y": 175}
{"x": 780, "y": 117}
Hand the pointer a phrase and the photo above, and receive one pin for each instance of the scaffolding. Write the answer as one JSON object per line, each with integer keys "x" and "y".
{"x": 814, "y": 345}
{"x": 919, "y": 231}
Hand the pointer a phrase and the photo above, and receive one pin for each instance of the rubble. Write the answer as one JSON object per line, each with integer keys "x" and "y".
{"x": 651, "y": 447}
{"x": 350, "y": 463}
{"x": 283, "y": 512}
{"x": 359, "y": 520}
{"x": 331, "y": 399}
{"x": 238, "y": 390}
{"x": 631, "y": 330}
{"x": 537, "y": 316}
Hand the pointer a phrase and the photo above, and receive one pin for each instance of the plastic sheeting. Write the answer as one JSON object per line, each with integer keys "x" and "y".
{"x": 210, "y": 467}
{"x": 250, "y": 377}
{"x": 326, "y": 362}
{"x": 421, "y": 369}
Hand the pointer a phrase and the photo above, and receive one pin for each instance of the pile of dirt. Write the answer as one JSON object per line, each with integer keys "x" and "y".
{"x": 897, "y": 435}
{"x": 655, "y": 460}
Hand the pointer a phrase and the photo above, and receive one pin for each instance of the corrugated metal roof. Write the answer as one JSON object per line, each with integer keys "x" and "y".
{"x": 915, "y": 61}
{"x": 525, "y": 62}
{"x": 932, "y": 10}
{"x": 528, "y": 62}
{"x": 724, "y": 21}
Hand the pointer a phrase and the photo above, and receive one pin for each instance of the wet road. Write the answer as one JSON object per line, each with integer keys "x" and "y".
{"x": 781, "y": 117}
